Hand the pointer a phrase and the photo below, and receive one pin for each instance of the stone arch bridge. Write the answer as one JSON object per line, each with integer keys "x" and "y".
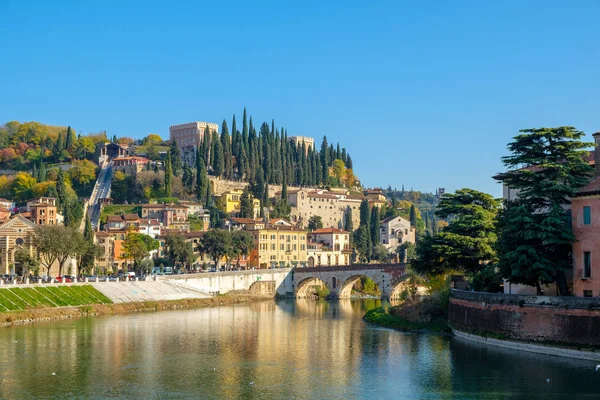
{"x": 297, "y": 282}
{"x": 340, "y": 279}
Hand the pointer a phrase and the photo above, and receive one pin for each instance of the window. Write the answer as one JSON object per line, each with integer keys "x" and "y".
{"x": 273, "y": 246}
{"x": 587, "y": 264}
{"x": 587, "y": 215}
{"x": 282, "y": 247}
{"x": 587, "y": 293}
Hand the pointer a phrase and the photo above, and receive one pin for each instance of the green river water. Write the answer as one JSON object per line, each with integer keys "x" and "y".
{"x": 270, "y": 350}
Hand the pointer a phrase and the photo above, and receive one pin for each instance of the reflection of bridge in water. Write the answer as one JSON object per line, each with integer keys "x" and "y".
{"x": 297, "y": 282}
{"x": 340, "y": 279}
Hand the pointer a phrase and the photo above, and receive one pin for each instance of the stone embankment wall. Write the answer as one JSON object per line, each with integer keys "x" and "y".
{"x": 569, "y": 321}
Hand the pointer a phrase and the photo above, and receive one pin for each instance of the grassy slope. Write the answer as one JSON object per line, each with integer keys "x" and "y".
{"x": 18, "y": 299}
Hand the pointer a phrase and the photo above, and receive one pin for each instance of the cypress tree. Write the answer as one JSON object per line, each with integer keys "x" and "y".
{"x": 338, "y": 152}
{"x": 348, "y": 224}
{"x": 61, "y": 191}
{"x": 201, "y": 178}
{"x": 114, "y": 139}
{"x": 284, "y": 190}
{"x": 60, "y": 143}
{"x": 205, "y": 146}
{"x": 265, "y": 199}
{"x": 176, "y": 164}
{"x": 246, "y": 206}
{"x": 70, "y": 140}
{"x": 219, "y": 158}
{"x": 168, "y": 176}
{"x": 375, "y": 225}
{"x": 42, "y": 172}
{"x": 227, "y": 155}
{"x": 331, "y": 154}
{"x": 208, "y": 198}
{"x": 324, "y": 160}
{"x": 344, "y": 157}
{"x": 348, "y": 161}
{"x": 413, "y": 216}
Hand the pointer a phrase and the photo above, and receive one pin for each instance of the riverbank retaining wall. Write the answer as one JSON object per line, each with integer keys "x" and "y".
{"x": 544, "y": 319}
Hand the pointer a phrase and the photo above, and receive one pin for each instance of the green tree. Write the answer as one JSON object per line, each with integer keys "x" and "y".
{"x": 168, "y": 176}
{"x": 83, "y": 172}
{"x": 325, "y": 159}
{"x": 178, "y": 251}
{"x": 281, "y": 209}
{"x": 201, "y": 177}
{"x": 315, "y": 222}
{"x": 413, "y": 216}
{"x": 348, "y": 224}
{"x": 468, "y": 243}
{"x": 374, "y": 226}
{"x": 57, "y": 243}
{"x": 216, "y": 243}
{"x": 219, "y": 158}
{"x": 175, "y": 158}
{"x": 362, "y": 243}
{"x": 70, "y": 140}
{"x": 242, "y": 243}
{"x": 406, "y": 251}
{"x": 246, "y": 206}
{"x": 27, "y": 261}
{"x": 138, "y": 246}
{"x": 547, "y": 166}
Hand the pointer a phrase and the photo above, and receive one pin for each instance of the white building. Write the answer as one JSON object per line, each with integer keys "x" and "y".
{"x": 395, "y": 231}
{"x": 328, "y": 246}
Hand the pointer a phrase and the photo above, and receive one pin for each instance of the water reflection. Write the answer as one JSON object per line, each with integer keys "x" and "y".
{"x": 289, "y": 350}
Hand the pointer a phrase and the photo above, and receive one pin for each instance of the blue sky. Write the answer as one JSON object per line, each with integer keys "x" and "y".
{"x": 421, "y": 93}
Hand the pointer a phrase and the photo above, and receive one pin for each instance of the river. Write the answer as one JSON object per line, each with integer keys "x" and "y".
{"x": 270, "y": 350}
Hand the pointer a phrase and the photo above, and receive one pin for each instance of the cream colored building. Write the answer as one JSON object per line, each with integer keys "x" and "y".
{"x": 328, "y": 246}
{"x": 17, "y": 234}
{"x": 298, "y": 140}
{"x": 189, "y": 136}
{"x": 330, "y": 206}
{"x": 395, "y": 231}
{"x": 278, "y": 246}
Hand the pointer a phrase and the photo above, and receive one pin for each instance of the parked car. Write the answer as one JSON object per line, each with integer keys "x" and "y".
{"x": 64, "y": 279}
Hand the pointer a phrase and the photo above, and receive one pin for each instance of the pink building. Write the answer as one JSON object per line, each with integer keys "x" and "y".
{"x": 585, "y": 213}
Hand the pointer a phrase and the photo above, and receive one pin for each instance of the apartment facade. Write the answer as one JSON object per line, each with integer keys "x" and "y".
{"x": 231, "y": 202}
{"x": 278, "y": 246}
{"x": 189, "y": 136}
{"x": 330, "y": 206}
{"x": 585, "y": 217}
{"x": 130, "y": 165}
{"x": 328, "y": 247}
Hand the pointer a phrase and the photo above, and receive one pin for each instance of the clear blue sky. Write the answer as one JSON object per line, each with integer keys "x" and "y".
{"x": 422, "y": 93}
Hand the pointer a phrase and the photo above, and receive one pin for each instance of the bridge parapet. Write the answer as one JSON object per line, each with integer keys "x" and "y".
{"x": 340, "y": 279}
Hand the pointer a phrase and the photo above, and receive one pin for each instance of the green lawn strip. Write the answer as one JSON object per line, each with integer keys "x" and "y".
{"x": 19, "y": 302}
{"x": 380, "y": 317}
{"x": 81, "y": 296}
{"x": 66, "y": 294}
{"x": 52, "y": 295}
{"x": 6, "y": 303}
{"x": 97, "y": 294}
{"x": 32, "y": 301}
{"x": 39, "y": 296}
{"x": 92, "y": 299}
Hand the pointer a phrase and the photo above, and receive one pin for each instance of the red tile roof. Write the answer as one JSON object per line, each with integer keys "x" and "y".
{"x": 328, "y": 230}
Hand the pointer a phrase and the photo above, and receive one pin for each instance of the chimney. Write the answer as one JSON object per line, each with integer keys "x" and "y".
{"x": 596, "y": 154}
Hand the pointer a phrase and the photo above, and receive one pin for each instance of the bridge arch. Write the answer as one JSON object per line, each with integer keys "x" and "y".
{"x": 306, "y": 287}
{"x": 397, "y": 286}
{"x": 345, "y": 289}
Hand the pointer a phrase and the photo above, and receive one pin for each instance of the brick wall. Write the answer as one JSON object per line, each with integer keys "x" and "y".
{"x": 565, "y": 320}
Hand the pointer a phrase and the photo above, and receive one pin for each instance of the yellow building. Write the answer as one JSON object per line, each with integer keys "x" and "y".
{"x": 278, "y": 246}
{"x": 231, "y": 200}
